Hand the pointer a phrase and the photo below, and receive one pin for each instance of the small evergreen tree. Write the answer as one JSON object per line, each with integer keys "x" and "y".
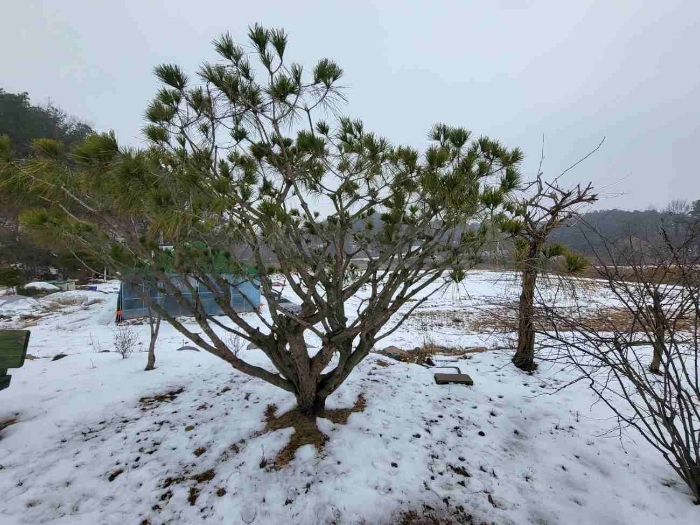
{"x": 11, "y": 277}
{"x": 242, "y": 160}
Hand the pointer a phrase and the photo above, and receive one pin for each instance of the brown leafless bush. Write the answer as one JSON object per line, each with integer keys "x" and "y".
{"x": 234, "y": 343}
{"x": 647, "y": 368}
{"x": 125, "y": 340}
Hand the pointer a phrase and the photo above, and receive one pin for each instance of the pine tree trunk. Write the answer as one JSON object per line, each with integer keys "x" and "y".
{"x": 308, "y": 400}
{"x": 313, "y": 405}
{"x": 524, "y": 357}
{"x": 307, "y": 380}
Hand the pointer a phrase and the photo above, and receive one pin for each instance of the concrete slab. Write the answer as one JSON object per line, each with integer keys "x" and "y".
{"x": 460, "y": 379}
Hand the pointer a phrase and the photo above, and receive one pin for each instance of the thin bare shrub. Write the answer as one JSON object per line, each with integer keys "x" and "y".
{"x": 125, "y": 340}
{"x": 96, "y": 345}
{"x": 234, "y": 343}
{"x": 647, "y": 369}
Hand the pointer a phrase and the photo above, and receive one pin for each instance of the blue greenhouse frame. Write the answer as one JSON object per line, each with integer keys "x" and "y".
{"x": 245, "y": 297}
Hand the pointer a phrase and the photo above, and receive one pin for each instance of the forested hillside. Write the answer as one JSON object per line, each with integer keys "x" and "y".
{"x": 622, "y": 225}
{"x": 20, "y": 123}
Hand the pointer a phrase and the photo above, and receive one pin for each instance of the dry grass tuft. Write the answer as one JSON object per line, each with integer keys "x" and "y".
{"x": 428, "y": 515}
{"x": 205, "y": 476}
{"x": 423, "y": 355}
{"x": 52, "y": 307}
{"x": 438, "y": 319}
{"x": 193, "y": 492}
{"x": 69, "y": 300}
{"x": 504, "y": 319}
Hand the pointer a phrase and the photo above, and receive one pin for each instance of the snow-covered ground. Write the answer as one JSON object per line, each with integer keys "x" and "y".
{"x": 39, "y": 285}
{"x": 90, "y": 444}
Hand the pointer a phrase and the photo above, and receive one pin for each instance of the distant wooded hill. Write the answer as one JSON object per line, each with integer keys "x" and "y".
{"x": 22, "y": 122}
{"x": 621, "y": 226}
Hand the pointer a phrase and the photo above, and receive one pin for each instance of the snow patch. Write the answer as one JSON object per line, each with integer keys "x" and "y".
{"x": 98, "y": 440}
{"x": 38, "y": 285}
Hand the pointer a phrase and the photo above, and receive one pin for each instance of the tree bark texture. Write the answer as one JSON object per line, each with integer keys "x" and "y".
{"x": 524, "y": 357}
{"x": 155, "y": 328}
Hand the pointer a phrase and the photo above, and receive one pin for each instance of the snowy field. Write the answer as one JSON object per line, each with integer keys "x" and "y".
{"x": 93, "y": 439}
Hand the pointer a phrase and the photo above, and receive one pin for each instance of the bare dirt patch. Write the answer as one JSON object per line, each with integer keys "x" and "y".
{"x": 151, "y": 402}
{"x": 204, "y": 477}
{"x": 428, "y": 515}
{"x": 4, "y": 423}
{"x": 306, "y": 432}
{"x": 340, "y": 416}
{"x": 193, "y": 492}
{"x": 114, "y": 475}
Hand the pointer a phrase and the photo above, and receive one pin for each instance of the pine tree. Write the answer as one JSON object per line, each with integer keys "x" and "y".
{"x": 249, "y": 156}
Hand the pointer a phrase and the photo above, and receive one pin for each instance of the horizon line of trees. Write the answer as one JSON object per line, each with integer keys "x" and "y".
{"x": 22, "y": 122}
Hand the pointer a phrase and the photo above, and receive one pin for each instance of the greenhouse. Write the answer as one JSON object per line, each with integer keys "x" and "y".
{"x": 245, "y": 297}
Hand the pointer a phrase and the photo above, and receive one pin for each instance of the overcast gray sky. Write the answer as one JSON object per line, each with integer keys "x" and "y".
{"x": 574, "y": 71}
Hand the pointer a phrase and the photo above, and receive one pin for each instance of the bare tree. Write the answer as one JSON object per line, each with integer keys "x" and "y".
{"x": 678, "y": 207}
{"x": 642, "y": 363}
{"x": 545, "y": 206}
{"x": 154, "y": 325}
{"x": 674, "y": 217}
